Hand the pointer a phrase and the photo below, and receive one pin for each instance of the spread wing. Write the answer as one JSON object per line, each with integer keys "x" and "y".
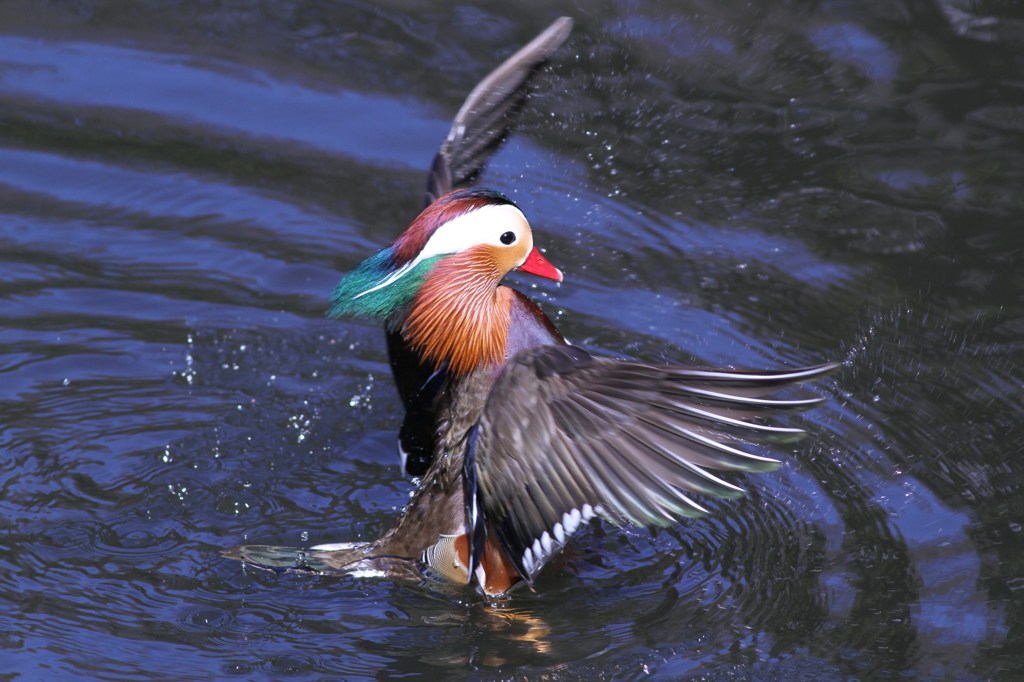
{"x": 489, "y": 112}
{"x": 565, "y": 435}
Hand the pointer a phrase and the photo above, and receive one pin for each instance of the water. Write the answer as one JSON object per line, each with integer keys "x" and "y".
{"x": 180, "y": 188}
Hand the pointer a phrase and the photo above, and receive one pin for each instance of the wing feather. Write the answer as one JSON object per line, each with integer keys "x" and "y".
{"x": 565, "y": 435}
{"x": 489, "y": 112}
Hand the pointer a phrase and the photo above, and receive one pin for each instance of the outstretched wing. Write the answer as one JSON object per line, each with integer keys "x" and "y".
{"x": 488, "y": 113}
{"x": 566, "y": 435}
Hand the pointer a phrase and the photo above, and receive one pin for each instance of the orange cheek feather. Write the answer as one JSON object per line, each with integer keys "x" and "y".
{"x": 460, "y": 315}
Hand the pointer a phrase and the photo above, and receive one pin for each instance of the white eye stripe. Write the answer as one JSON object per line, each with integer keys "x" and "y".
{"x": 484, "y": 225}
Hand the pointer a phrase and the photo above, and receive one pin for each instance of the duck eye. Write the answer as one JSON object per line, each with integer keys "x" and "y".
{"x": 508, "y": 238}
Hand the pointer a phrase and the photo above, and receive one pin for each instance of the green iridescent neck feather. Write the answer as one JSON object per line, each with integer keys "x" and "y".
{"x": 377, "y": 290}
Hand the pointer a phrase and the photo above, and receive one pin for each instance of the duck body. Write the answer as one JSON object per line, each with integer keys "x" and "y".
{"x": 520, "y": 437}
{"x": 456, "y": 355}
{"x": 531, "y": 437}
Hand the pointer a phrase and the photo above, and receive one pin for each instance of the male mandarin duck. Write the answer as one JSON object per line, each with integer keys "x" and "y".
{"x": 524, "y": 437}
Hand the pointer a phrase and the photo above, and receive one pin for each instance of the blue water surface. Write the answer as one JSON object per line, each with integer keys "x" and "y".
{"x": 722, "y": 183}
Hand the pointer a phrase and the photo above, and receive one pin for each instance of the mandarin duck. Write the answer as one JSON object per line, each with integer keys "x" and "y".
{"x": 522, "y": 437}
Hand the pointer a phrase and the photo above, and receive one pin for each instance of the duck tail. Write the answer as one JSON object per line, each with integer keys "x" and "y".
{"x": 352, "y": 559}
{"x": 320, "y": 559}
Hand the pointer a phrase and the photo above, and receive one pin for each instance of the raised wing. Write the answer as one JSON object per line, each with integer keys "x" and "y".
{"x": 489, "y": 112}
{"x": 566, "y": 435}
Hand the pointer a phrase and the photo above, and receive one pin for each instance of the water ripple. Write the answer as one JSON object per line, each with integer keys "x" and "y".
{"x": 754, "y": 186}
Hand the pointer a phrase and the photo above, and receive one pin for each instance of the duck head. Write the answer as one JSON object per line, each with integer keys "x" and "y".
{"x": 438, "y": 283}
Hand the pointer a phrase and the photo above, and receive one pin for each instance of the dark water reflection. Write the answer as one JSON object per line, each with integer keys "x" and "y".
{"x": 180, "y": 189}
